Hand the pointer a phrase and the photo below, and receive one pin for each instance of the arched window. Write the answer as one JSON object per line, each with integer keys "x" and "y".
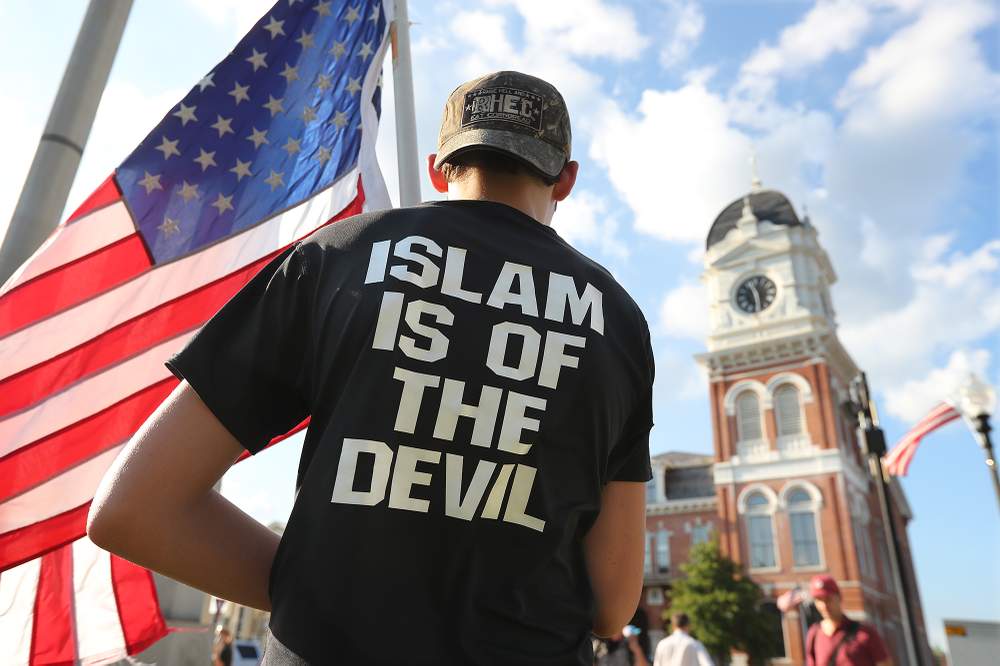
{"x": 788, "y": 411}
{"x": 760, "y": 532}
{"x": 802, "y": 518}
{"x": 748, "y": 417}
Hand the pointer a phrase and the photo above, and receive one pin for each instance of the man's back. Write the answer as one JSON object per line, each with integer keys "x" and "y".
{"x": 680, "y": 649}
{"x": 473, "y": 383}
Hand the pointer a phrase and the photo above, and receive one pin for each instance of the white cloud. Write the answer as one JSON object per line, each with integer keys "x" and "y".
{"x": 955, "y": 302}
{"x": 911, "y": 400}
{"x": 583, "y": 220}
{"x": 479, "y": 27}
{"x": 236, "y": 15}
{"x": 583, "y": 28}
{"x": 831, "y": 26}
{"x": 676, "y": 163}
{"x": 928, "y": 72}
{"x": 687, "y": 22}
{"x": 684, "y": 312}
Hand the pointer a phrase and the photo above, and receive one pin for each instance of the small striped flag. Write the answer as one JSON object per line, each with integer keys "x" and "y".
{"x": 275, "y": 142}
{"x": 897, "y": 461}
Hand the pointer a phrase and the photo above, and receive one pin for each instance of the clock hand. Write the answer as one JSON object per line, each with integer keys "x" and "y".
{"x": 756, "y": 298}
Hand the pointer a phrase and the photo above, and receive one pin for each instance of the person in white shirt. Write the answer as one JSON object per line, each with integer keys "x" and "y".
{"x": 679, "y": 648}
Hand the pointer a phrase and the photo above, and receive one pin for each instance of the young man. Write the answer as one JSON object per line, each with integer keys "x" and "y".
{"x": 471, "y": 486}
{"x": 680, "y": 648}
{"x": 837, "y": 640}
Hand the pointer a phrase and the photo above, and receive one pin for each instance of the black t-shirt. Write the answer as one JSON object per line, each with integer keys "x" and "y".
{"x": 473, "y": 383}
{"x": 226, "y": 655}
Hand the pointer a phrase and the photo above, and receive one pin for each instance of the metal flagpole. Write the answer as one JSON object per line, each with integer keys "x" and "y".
{"x": 406, "y": 118}
{"x": 58, "y": 155}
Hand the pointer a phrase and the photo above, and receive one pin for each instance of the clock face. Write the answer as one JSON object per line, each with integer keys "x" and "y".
{"x": 755, "y": 293}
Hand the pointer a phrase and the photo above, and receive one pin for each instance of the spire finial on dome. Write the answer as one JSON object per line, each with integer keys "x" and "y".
{"x": 755, "y": 184}
{"x": 747, "y": 211}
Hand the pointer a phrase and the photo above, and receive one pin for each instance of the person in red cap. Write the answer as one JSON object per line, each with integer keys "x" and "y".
{"x": 838, "y": 640}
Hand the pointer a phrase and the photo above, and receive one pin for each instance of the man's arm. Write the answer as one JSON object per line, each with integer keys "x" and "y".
{"x": 701, "y": 655}
{"x": 613, "y": 549}
{"x": 156, "y": 506}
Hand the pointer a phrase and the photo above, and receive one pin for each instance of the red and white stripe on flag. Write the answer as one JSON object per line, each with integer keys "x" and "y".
{"x": 77, "y": 604}
{"x": 77, "y": 379}
{"x": 80, "y": 377}
{"x": 897, "y": 461}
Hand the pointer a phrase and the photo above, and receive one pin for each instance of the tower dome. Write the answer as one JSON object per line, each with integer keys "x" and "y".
{"x": 767, "y": 206}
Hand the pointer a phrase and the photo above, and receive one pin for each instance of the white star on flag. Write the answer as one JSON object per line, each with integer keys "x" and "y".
{"x": 258, "y": 137}
{"x": 151, "y": 182}
{"x": 205, "y": 158}
{"x": 274, "y": 105}
{"x": 168, "y": 147}
{"x": 188, "y": 191}
{"x": 275, "y": 179}
{"x": 274, "y": 27}
{"x": 222, "y": 125}
{"x": 241, "y": 169}
{"x": 257, "y": 60}
{"x": 222, "y": 204}
{"x": 206, "y": 81}
{"x": 239, "y": 93}
{"x": 186, "y": 113}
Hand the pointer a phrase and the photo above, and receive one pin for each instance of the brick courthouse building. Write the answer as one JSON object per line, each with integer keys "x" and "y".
{"x": 786, "y": 492}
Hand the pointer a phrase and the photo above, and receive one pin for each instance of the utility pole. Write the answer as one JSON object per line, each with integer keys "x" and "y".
{"x": 59, "y": 150}
{"x": 874, "y": 449}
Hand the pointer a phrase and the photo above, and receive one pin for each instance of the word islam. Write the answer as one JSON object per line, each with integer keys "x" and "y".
{"x": 418, "y": 329}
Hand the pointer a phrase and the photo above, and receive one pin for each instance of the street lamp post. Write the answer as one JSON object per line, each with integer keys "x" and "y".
{"x": 873, "y": 442}
{"x": 977, "y": 401}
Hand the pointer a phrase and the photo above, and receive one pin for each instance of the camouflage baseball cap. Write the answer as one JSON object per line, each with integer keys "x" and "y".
{"x": 510, "y": 112}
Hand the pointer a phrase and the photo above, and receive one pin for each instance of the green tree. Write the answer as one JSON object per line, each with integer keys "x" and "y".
{"x": 723, "y": 604}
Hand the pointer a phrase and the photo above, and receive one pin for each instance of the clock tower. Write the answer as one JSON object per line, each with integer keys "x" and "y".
{"x": 793, "y": 496}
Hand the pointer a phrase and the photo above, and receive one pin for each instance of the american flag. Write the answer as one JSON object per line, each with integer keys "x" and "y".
{"x": 273, "y": 143}
{"x": 897, "y": 461}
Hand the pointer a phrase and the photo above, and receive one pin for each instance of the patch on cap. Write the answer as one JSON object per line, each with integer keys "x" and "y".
{"x": 510, "y": 112}
{"x": 503, "y": 104}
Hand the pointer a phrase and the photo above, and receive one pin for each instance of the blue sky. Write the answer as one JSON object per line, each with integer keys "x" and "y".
{"x": 879, "y": 116}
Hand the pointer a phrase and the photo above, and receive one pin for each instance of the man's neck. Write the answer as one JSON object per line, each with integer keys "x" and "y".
{"x": 832, "y": 623}
{"x": 509, "y": 190}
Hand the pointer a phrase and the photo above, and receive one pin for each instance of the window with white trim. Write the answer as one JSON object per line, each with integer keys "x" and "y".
{"x": 647, "y": 566}
{"x": 662, "y": 551}
{"x": 760, "y": 531}
{"x": 748, "y": 417}
{"x": 654, "y": 596}
{"x": 788, "y": 408}
{"x": 802, "y": 519}
{"x": 701, "y": 533}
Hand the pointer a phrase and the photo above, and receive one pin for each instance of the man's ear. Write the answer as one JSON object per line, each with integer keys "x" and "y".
{"x": 567, "y": 178}
{"x": 437, "y": 178}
